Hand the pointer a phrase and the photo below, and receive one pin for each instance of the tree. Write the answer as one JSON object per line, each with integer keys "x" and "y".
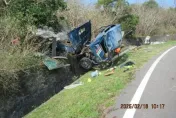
{"x": 104, "y": 2}
{"x": 122, "y": 14}
{"x": 151, "y": 4}
{"x": 129, "y": 22}
{"x": 116, "y": 3}
{"x": 122, "y": 3}
{"x": 38, "y": 12}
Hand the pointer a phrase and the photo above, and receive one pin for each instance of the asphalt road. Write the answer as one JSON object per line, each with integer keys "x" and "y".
{"x": 160, "y": 89}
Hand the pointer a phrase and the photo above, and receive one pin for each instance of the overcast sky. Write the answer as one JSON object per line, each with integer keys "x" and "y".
{"x": 165, "y": 3}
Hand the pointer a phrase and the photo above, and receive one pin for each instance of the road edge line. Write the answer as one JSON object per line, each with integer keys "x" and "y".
{"x": 138, "y": 94}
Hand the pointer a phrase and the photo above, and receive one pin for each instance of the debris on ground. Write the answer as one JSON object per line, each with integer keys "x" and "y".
{"x": 16, "y": 41}
{"x": 95, "y": 74}
{"x": 52, "y": 63}
{"x": 127, "y": 65}
{"x": 89, "y": 80}
{"x": 128, "y": 68}
{"x": 100, "y": 73}
{"x": 112, "y": 68}
{"x": 147, "y": 40}
{"x": 73, "y": 85}
{"x": 156, "y": 43}
{"x": 109, "y": 73}
{"x": 118, "y": 50}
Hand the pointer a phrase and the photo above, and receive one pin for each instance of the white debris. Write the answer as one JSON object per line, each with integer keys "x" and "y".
{"x": 73, "y": 86}
{"x": 48, "y": 33}
{"x": 147, "y": 40}
{"x": 156, "y": 43}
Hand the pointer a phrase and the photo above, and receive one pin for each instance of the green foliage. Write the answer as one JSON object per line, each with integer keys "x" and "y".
{"x": 117, "y": 3}
{"x": 151, "y": 4}
{"x": 104, "y": 2}
{"x": 129, "y": 22}
{"x": 38, "y": 12}
{"x": 122, "y": 3}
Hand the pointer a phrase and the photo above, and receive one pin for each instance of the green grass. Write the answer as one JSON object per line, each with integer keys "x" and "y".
{"x": 89, "y": 100}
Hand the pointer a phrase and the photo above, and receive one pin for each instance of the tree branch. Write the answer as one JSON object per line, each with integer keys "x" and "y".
{"x": 6, "y": 3}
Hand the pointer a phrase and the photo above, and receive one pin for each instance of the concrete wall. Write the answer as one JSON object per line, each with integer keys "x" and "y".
{"x": 141, "y": 40}
{"x": 36, "y": 86}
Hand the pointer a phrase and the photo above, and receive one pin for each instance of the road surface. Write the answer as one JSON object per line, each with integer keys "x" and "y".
{"x": 155, "y": 86}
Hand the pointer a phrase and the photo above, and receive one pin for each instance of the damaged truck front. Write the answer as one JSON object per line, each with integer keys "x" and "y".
{"x": 89, "y": 53}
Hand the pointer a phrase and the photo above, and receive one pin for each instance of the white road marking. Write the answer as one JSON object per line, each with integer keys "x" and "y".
{"x": 137, "y": 96}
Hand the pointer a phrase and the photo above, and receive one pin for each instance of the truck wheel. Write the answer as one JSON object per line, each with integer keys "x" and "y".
{"x": 86, "y": 63}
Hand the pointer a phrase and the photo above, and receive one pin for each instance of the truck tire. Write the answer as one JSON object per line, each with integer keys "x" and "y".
{"x": 86, "y": 63}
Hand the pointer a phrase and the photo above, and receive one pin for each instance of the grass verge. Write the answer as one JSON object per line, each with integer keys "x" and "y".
{"x": 91, "y": 99}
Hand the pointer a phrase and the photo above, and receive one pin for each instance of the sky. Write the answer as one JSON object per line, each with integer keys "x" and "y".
{"x": 163, "y": 3}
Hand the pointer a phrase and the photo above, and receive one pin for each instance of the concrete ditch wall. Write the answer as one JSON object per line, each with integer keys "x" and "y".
{"x": 36, "y": 87}
{"x": 141, "y": 40}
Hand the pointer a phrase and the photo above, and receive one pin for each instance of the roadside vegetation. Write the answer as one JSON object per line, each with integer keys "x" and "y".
{"x": 143, "y": 19}
{"x": 92, "y": 98}
{"x": 19, "y": 20}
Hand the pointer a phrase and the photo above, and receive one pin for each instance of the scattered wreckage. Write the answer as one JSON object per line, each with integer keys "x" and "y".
{"x": 89, "y": 53}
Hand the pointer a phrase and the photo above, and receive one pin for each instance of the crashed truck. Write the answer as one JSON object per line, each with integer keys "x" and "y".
{"x": 89, "y": 53}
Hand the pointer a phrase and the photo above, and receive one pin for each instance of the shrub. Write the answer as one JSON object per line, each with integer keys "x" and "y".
{"x": 122, "y": 14}
{"x": 129, "y": 23}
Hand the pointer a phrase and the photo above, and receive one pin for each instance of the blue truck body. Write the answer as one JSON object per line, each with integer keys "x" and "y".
{"x": 107, "y": 41}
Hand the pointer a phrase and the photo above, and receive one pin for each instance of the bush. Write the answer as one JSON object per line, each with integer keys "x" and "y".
{"x": 122, "y": 14}
{"x": 129, "y": 23}
{"x": 16, "y": 57}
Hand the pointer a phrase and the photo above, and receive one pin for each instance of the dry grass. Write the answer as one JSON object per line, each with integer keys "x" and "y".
{"x": 15, "y": 56}
{"x": 154, "y": 21}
